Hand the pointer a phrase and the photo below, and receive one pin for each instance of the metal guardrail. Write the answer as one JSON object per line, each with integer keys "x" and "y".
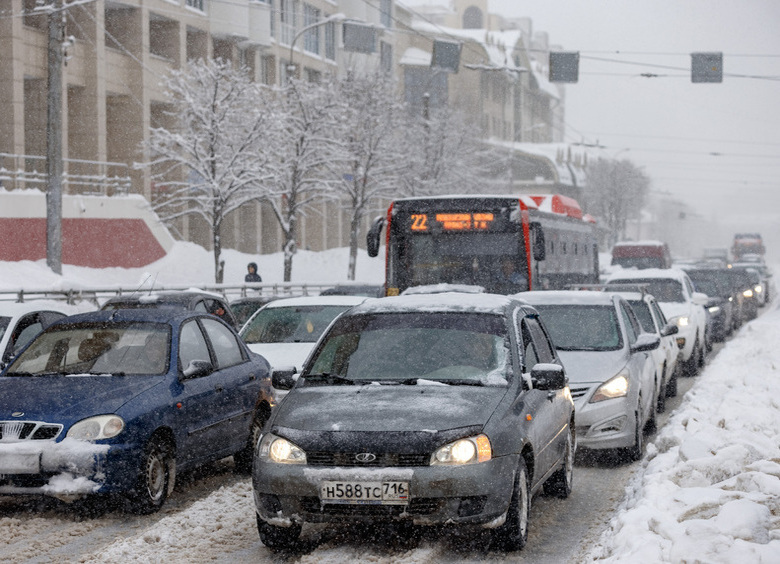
{"x": 99, "y": 295}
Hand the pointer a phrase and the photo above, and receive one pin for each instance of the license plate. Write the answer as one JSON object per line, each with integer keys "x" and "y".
{"x": 370, "y": 493}
{"x": 19, "y": 463}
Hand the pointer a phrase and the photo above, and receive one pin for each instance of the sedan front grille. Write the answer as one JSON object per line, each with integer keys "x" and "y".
{"x": 417, "y": 506}
{"x": 578, "y": 391}
{"x": 13, "y": 431}
{"x": 351, "y": 459}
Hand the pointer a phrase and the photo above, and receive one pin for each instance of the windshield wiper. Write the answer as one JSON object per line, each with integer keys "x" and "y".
{"x": 330, "y": 379}
{"x": 455, "y": 382}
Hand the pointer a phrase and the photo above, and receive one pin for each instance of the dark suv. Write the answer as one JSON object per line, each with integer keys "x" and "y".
{"x": 192, "y": 300}
{"x": 428, "y": 409}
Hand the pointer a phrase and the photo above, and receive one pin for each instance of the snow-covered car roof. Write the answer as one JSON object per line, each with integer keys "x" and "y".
{"x": 317, "y": 300}
{"x": 456, "y": 302}
{"x": 654, "y": 273}
{"x": 566, "y": 297}
{"x": 13, "y": 309}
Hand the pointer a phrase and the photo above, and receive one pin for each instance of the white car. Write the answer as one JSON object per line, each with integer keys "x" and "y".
{"x": 20, "y": 322}
{"x": 285, "y": 331}
{"x": 674, "y": 292}
{"x": 653, "y": 320}
{"x": 610, "y": 364}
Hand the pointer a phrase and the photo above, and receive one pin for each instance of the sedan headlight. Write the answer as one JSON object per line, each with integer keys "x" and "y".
{"x": 282, "y": 451}
{"x": 464, "y": 451}
{"x": 682, "y": 321}
{"x": 757, "y": 289}
{"x": 714, "y": 309}
{"x": 616, "y": 387}
{"x": 748, "y": 293}
{"x": 95, "y": 428}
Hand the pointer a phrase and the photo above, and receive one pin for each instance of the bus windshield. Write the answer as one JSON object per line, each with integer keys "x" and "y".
{"x": 491, "y": 260}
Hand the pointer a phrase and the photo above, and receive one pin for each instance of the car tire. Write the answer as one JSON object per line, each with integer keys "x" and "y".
{"x": 636, "y": 451}
{"x": 660, "y": 404}
{"x": 513, "y": 534}
{"x": 702, "y": 353}
{"x": 278, "y": 538}
{"x": 651, "y": 425}
{"x": 242, "y": 460}
{"x": 691, "y": 366}
{"x": 154, "y": 478}
{"x": 560, "y": 483}
{"x": 671, "y": 385}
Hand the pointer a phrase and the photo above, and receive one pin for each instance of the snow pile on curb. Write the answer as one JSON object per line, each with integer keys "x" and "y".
{"x": 709, "y": 488}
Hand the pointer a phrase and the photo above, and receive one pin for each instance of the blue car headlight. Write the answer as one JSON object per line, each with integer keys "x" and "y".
{"x": 95, "y": 428}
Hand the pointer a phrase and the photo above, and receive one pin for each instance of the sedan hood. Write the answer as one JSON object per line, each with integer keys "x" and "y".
{"x": 592, "y": 366}
{"x": 283, "y": 354}
{"x": 66, "y": 399}
{"x": 674, "y": 309}
{"x": 428, "y": 408}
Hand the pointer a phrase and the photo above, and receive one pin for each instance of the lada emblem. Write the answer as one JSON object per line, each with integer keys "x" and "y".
{"x": 365, "y": 457}
{"x": 17, "y": 414}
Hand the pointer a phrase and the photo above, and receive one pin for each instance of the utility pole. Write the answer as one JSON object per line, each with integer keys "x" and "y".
{"x": 54, "y": 137}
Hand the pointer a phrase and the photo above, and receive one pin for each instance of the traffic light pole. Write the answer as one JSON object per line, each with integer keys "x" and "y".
{"x": 54, "y": 138}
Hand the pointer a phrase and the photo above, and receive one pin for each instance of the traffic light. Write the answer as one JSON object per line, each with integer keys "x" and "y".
{"x": 564, "y": 66}
{"x": 706, "y": 67}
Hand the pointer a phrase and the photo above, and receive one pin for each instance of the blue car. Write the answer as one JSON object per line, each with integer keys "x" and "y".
{"x": 118, "y": 402}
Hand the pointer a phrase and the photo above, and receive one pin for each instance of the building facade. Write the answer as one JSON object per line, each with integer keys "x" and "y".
{"x": 117, "y": 52}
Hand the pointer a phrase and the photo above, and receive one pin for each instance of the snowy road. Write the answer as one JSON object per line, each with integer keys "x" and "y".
{"x": 210, "y": 518}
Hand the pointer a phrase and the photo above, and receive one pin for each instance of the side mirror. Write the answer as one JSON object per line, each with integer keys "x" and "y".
{"x": 548, "y": 376}
{"x": 669, "y": 329}
{"x": 646, "y": 342}
{"x": 283, "y": 378}
{"x": 198, "y": 368}
{"x": 539, "y": 247}
{"x": 700, "y": 299}
{"x": 373, "y": 235}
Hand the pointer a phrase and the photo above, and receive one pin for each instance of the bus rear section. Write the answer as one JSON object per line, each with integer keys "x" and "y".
{"x": 497, "y": 242}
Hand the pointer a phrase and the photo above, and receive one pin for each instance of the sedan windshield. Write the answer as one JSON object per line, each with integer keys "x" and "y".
{"x": 404, "y": 348}
{"x": 138, "y": 348}
{"x": 582, "y": 328}
{"x": 301, "y": 324}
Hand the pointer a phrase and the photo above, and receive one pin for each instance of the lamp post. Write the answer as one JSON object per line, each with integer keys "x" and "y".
{"x": 338, "y": 17}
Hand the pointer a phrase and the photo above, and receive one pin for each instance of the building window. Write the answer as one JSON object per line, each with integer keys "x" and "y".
{"x": 313, "y": 76}
{"x": 197, "y": 4}
{"x": 472, "y": 18}
{"x": 386, "y": 57}
{"x": 311, "y": 37}
{"x": 330, "y": 41}
{"x": 288, "y": 20}
{"x": 386, "y": 13}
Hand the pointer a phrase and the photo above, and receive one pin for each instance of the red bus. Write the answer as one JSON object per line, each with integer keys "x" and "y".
{"x": 506, "y": 244}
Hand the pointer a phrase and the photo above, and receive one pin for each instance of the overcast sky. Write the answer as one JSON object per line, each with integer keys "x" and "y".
{"x": 714, "y": 146}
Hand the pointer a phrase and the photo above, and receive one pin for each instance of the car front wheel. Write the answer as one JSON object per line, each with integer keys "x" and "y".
{"x": 154, "y": 478}
{"x": 513, "y": 534}
{"x": 559, "y": 484}
{"x": 242, "y": 460}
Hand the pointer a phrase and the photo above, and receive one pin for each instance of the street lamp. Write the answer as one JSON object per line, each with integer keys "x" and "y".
{"x": 338, "y": 17}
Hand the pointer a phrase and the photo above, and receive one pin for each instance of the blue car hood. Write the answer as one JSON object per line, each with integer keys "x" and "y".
{"x": 388, "y": 407}
{"x": 66, "y": 399}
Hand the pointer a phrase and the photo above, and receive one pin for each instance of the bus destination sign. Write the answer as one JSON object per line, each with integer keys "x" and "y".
{"x": 466, "y": 221}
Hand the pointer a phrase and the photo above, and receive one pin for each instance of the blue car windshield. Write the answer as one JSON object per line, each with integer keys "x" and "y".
{"x": 134, "y": 348}
{"x": 451, "y": 348}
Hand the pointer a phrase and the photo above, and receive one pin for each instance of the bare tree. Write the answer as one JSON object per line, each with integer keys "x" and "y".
{"x": 301, "y": 154}
{"x": 443, "y": 155}
{"x": 210, "y": 162}
{"x": 371, "y": 154}
{"x": 616, "y": 192}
